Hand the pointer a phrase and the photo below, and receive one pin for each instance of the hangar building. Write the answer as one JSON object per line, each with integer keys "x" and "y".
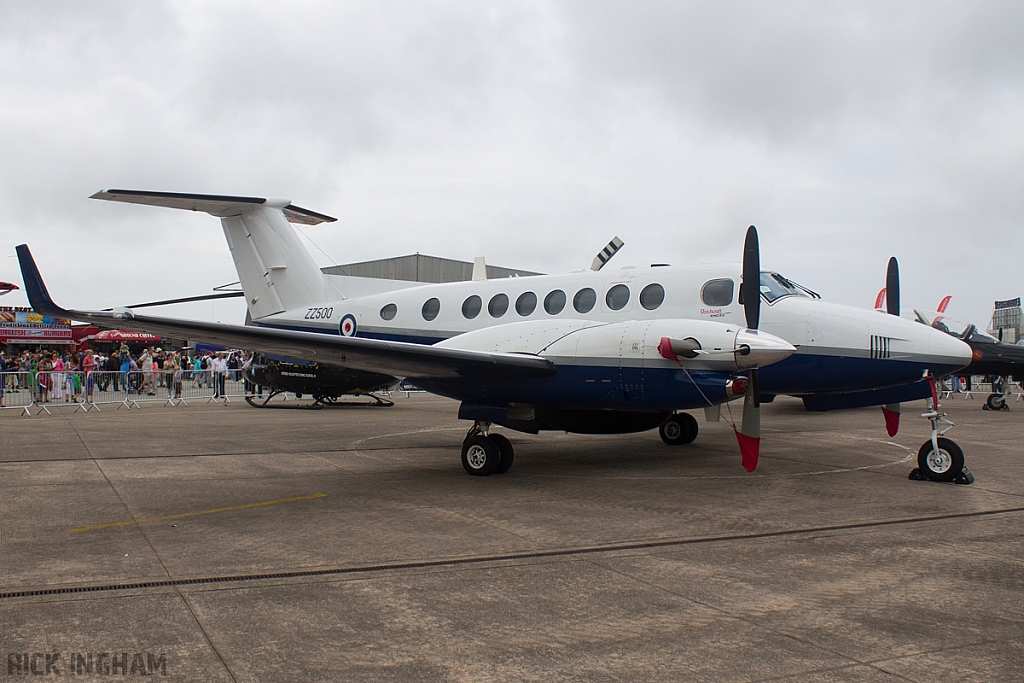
{"x": 421, "y": 268}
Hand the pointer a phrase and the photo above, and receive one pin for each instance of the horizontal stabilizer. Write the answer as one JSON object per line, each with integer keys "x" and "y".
{"x": 213, "y": 204}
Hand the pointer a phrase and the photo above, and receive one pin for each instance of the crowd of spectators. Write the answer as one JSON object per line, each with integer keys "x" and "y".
{"x": 64, "y": 375}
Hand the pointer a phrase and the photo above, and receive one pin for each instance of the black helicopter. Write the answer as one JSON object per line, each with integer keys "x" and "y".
{"x": 325, "y": 383}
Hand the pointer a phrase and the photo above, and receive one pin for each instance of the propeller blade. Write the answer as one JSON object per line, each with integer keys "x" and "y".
{"x": 892, "y": 307}
{"x": 749, "y": 434}
{"x": 750, "y": 288}
{"x": 944, "y": 303}
{"x": 892, "y": 287}
{"x": 892, "y": 418}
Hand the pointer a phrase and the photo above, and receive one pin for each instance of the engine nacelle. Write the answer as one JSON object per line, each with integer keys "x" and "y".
{"x": 673, "y": 343}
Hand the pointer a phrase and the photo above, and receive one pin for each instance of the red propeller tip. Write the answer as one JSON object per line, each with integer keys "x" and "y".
{"x": 750, "y": 449}
{"x": 892, "y": 421}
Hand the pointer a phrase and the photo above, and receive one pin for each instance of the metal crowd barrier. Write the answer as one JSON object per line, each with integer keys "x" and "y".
{"x": 43, "y": 391}
{"x": 982, "y": 389}
{"x": 18, "y": 391}
{"x": 167, "y": 386}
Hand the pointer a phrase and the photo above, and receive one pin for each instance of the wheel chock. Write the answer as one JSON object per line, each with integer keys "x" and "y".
{"x": 965, "y": 477}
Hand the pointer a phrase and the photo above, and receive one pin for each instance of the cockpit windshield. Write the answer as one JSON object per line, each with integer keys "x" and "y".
{"x": 775, "y": 286}
{"x": 959, "y": 328}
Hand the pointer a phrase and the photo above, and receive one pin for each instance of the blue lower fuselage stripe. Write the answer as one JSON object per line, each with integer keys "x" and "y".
{"x": 630, "y": 388}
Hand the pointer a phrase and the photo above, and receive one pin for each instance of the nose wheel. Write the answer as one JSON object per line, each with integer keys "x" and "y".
{"x": 939, "y": 458}
{"x": 485, "y": 454}
{"x": 943, "y": 461}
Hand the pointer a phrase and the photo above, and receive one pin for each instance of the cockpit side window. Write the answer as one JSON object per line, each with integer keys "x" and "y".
{"x": 975, "y": 335}
{"x": 717, "y": 292}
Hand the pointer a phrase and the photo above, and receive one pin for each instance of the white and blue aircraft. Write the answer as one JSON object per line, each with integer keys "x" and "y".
{"x": 608, "y": 351}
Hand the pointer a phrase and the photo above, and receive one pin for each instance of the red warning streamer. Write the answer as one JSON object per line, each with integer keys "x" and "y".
{"x": 892, "y": 421}
{"x": 750, "y": 449}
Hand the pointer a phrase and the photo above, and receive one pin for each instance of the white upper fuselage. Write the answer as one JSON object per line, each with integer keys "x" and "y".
{"x": 428, "y": 313}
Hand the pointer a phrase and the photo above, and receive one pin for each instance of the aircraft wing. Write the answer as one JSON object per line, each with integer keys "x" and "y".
{"x": 397, "y": 359}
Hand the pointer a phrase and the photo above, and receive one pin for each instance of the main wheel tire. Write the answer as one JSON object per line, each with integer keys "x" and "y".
{"x": 691, "y": 421}
{"x": 944, "y": 465}
{"x": 996, "y": 402}
{"x": 480, "y": 456}
{"x": 506, "y": 451}
{"x": 676, "y": 430}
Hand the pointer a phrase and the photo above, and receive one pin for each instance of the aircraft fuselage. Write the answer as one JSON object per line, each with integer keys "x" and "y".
{"x": 839, "y": 348}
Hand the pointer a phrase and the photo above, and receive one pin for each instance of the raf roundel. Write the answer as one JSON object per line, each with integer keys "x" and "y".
{"x": 348, "y": 326}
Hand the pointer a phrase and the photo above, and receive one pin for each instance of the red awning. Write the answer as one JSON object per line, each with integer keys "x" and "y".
{"x": 126, "y": 336}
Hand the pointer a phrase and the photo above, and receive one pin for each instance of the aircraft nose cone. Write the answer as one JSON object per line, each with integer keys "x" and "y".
{"x": 948, "y": 352}
{"x": 764, "y": 349}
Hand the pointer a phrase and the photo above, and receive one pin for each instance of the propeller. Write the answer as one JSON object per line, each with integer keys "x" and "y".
{"x": 892, "y": 307}
{"x": 749, "y": 434}
{"x": 892, "y": 287}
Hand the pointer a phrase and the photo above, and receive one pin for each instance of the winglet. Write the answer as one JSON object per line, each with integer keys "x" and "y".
{"x": 35, "y": 288}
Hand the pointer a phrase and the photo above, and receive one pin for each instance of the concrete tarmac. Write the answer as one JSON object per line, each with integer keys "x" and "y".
{"x": 228, "y": 543}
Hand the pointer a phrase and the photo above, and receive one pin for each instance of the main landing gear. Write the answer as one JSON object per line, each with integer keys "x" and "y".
{"x": 319, "y": 400}
{"x": 679, "y": 429}
{"x": 484, "y": 454}
{"x": 939, "y": 458}
{"x": 995, "y": 402}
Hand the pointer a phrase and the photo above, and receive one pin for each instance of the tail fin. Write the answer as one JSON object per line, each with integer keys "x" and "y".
{"x": 275, "y": 268}
{"x": 38, "y": 297}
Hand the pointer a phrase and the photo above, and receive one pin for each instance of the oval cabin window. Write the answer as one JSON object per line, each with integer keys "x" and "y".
{"x": 526, "y": 303}
{"x": 717, "y": 292}
{"x": 554, "y": 302}
{"x": 471, "y": 307}
{"x": 584, "y": 300}
{"x": 652, "y": 296}
{"x": 497, "y": 305}
{"x": 389, "y": 312}
{"x": 431, "y": 307}
{"x": 617, "y": 297}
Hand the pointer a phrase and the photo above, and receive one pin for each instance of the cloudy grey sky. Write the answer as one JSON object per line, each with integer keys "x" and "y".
{"x": 528, "y": 132}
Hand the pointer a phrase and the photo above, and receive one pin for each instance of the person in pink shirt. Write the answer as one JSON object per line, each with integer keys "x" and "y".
{"x": 88, "y": 366}
{"x": 57, "y": 379}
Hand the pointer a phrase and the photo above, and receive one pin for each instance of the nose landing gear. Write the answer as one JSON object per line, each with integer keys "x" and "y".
{"x": 939, "y": 458}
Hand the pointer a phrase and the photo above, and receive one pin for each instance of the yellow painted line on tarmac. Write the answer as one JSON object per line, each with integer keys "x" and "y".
{"x": 195, "y": 514}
